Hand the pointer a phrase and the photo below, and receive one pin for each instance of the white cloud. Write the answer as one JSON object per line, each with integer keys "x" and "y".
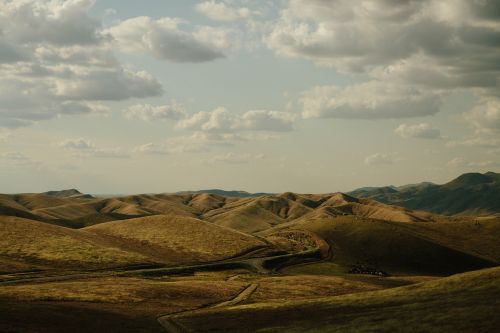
{"x": 353, "y": 35}
{"x": 460, "y": 162}
{"x": 150, "y": 112}
{"x": 83, "y": 148}
{"x": 475, "y": 141}
{"x": 54, "y": 22}
{"x": 264, "y": 120}
{"x": 456, "y": 162}
{"x": 16, "y": 156}
{"x": 152, "y": 148}
{"x": 56, "y": 59}
{"x": 236, "y": 158}
{"x": 422, "y": 47}
{"x": 219, "y": 11}
{"x": 220, "y": 120}
{"x": 422, "y": 131}
{"x": 114, "y": 84}
{"x": 485, "y": 117}
{"x": 370, "y": 100}
{"x": 76, "y": 144}
{"x": 381, "y": 158}
{"x": 163, "y": 39}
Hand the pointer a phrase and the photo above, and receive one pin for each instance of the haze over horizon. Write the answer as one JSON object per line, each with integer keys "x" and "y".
{"x": 305, "y": 96}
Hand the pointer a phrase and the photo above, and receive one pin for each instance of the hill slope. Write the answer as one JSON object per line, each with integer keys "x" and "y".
{"x": 461, "y": 303}
{"x": 469, "y": 194}
{"x": 178, "y": 239}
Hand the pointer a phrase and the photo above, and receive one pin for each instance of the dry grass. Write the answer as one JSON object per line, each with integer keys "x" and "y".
{"x": 394, "y": 247}
{"x": 40, "y": 243}
{"x": 187, "y": 292}
{"x": 462, "y": 303}
{"x": 183, "y": 239}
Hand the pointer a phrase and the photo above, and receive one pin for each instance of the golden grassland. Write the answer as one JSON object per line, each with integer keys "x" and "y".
{"x": 465, "y": 302}
{"x": 185, "y": 239}
{"x": 40, "y": 243}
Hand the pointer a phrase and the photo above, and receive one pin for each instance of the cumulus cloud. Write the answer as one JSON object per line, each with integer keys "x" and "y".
{"x": 220, "y": 11}
{"x": 355, "y": 34}
{"x": 371, "y": 100}
{"x": 236, "y": 158}
{"x": 419, "y": 46}
{"x": 460, "y": 162}
{"x": 381, "y": 159}
{"x": 54, "y": 22}
{"x": 422, "y": 131}
{"x": 164, "y": 39}
{"x": 485, "y": 117}
{"x": 77, "y": 144}
{"x": 477, "y": 140}
{"x": 84, "y": 148}
{"x": 150, "y": 112}
{"x": 56, "y": 59}
{"x": 220, "y": 120}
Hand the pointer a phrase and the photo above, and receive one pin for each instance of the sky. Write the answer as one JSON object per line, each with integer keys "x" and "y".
{"x": 309, "y": 96}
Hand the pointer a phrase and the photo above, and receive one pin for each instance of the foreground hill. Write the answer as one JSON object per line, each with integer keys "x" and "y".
{"x": 440, "y": 248}
{"x": 177, "y": 239}
{"x": 469, "y": 194}
{"x": 27, "y": 244}
{"x": 461, "y": 303}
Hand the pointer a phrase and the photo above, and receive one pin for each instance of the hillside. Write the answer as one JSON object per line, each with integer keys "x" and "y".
{"x": 466, "y": 302}
{"x": 404, "y": 248}
{"x": 177, "y": 239}
{"x": 251, "y": 214}
{"x": 32, "y": 244}
{"x": 225, "y": 193}
{"x": 468, "y": 194}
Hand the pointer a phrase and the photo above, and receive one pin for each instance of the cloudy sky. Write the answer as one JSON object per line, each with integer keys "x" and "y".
{"x": 114, "y": 96}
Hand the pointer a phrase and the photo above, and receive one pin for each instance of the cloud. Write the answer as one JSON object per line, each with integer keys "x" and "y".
{"x": 164, "y": 40}
{"x": 460, "y": 162}
{"x": 370, "y": 100}
{"x": 264, "y": 120}
{"x": 114, "y": 85}
{"x": 55, "y": 59}
{"x": 220, "y": 120}
{"x": 83, "y": 148}
{"x": 16, "y": 156}
{"x": 354, "y": 35}
{"x": 485, "y": 117}
{"x": 53, "y": 22}
{"x": 475, "y": 141}
{"x": 17, "y": 159}
{"x": 219, "y": 11}
{"x": 422, "y": 131}
{"x": 152, "y": 149}
{"x": 149, "y": 112}
{"x": 236, "y": 158}
{"x": 76, "y": 144}
{"x": 423, "y": 47}
{"x": 381, "y": 159}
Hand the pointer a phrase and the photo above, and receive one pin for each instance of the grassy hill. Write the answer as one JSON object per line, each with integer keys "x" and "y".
{"x": 468, "y": 194}
{"x": 465, "y": 302}
{"x": 404, "y": 247}
{"x": 33, "y": 244}
{"x": 178, "y": 239}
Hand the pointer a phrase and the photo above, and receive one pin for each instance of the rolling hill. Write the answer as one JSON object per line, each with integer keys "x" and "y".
{"x": 465, "y": 302}
{"x": 468, "y": 194}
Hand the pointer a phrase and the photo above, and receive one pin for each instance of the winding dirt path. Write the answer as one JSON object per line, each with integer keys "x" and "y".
{"x": 168, "y": 322}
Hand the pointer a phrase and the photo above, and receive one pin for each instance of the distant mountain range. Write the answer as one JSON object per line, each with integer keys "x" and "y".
{"x": 224, "y": 193}
{"x": 468, "y": 194}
